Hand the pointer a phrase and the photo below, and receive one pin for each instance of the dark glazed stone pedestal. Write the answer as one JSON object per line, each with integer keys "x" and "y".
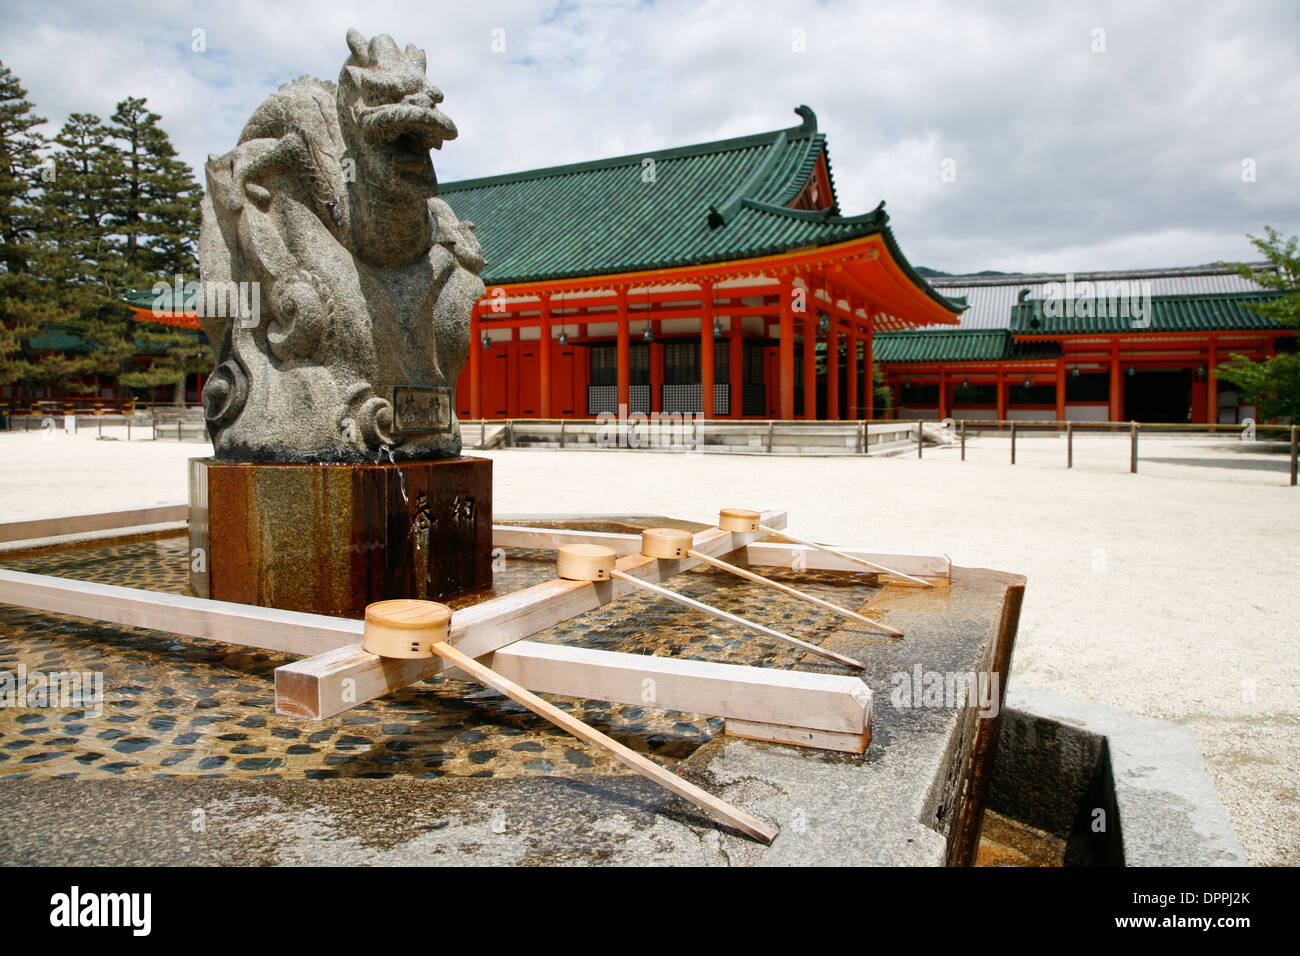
{"x": 330, "y": 539}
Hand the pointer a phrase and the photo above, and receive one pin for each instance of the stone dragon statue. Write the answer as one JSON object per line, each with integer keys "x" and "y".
{"x": 364, "y": 280}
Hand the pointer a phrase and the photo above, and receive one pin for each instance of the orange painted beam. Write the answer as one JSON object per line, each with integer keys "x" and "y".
{"x": 867, "y": 258}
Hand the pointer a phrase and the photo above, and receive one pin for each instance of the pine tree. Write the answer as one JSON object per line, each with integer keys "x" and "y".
{"x": 154, "y": 211}
{"x": 24, "y": 311}
{"x": 79, "y": 258}
{"x": 1272, "y": 385}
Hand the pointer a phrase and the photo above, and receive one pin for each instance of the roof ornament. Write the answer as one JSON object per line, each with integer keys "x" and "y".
{"x": 809, "y": 124}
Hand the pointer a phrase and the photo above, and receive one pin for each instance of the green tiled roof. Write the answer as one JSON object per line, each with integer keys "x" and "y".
{"x": 1169, "y": 313}
{"x": 710, "y": 202}
{"x": 975, "y": 345}
{"x": 56, "y": 339}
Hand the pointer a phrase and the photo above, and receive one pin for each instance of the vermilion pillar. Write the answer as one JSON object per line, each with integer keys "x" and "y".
{"x": 1002, "y": 395}
{"x": 1212, "y": 384}
{"x": 809, "y": 360}
{"x": 624, "y": 354}
{"x": 943, "y": 392}
{"x": 851, "y": 367}
{"x": 1060, "y": 389}
{"x": 736, "y": 368}
{"x": 544, "y": 356}
{"x": 786, "y": 349}
{"x": 706, "y": 349}
{"x": 833, "y": 370}
{"x": 656, "y": 376}
{"x": 869, "y": 362}
{"x": 475, "y": 364}
{"x": 1115, "y": 411}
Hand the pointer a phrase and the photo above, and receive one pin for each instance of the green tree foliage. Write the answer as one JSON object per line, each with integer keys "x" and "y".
{"x": 109, "y": 210}
{"x": 154, "y": 210}
{"x": 1272, "y": 385}
{"x": 24, "y": 314}
{"x": 80, "y": 258}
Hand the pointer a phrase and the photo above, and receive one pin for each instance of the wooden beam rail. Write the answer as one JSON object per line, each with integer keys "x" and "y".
{"x": 54, "y": 525}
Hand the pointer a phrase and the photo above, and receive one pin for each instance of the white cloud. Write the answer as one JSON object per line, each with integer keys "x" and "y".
{"x": 1065, "y": 158}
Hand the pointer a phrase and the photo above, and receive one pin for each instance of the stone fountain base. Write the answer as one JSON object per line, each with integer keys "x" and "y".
{"x": 330, "y": 539}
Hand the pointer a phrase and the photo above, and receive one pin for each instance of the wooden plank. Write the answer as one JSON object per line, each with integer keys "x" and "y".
{"x": 549, "y": 539}
{"x": 800, "y": 736}
{"x": 52, "y": 526}
{"x": 745, "y": 822}
{"x": 834, "y": 703}
{"x": 935, "y": 567}
{"x": 269, "y": 628}
{"x": 338, "y": 680}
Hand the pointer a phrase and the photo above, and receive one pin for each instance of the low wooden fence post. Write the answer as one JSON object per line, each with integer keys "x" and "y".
{"x": 1013, "y": 443}
{"x": 1293, "y": 455}
{"x": 920, "y": 438}
{"x": 1133, "y": 448}
{"x": 1069, "y": 444}
{"x": 961, "y": 428}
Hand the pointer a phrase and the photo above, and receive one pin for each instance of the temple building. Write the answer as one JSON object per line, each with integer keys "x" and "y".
{"x": 695, "y": 279}
{"x": 1137, "y": 345}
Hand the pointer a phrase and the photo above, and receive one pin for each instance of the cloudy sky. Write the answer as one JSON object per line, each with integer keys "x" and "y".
{"x": 1080, "y": 136}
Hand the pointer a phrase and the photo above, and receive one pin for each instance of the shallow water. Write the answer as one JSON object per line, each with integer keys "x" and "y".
{"x": 177, "y": 706}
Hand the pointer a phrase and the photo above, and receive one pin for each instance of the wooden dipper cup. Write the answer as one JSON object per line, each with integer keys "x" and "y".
{"x": 405, "y": 628}
{"x": 585, "y": 562}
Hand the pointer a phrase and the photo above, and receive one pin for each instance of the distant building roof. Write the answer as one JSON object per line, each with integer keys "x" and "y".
{"x": 963, "y": 345}
{"x": 991, "y": 298}
{"x": 1172, "y": 313}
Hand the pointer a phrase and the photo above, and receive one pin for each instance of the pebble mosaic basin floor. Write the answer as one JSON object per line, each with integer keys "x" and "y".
{"x": 185, "y": 707}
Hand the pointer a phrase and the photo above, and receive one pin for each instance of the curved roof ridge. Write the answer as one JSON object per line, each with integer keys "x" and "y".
{"x": 748, "y": 141}
{"x": 718, "y": 214}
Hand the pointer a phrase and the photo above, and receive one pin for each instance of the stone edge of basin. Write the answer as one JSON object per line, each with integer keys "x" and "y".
{"x": 1170, "y": 812}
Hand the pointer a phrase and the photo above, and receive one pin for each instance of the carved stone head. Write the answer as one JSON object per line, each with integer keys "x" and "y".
{"x": 389, "y": 116}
